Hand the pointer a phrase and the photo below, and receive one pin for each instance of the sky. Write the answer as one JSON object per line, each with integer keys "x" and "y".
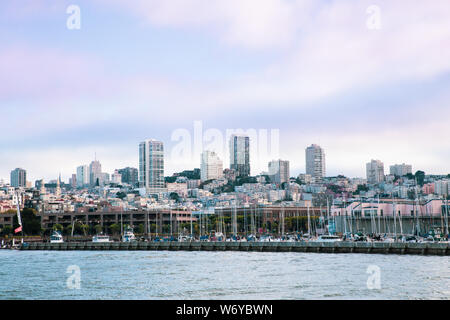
{"x": 364, "y": 80}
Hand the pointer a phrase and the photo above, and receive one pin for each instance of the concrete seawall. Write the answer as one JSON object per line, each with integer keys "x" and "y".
{"x": 441, "y": 249}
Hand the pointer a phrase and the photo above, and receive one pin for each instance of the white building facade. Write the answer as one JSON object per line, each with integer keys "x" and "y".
{"x": 211, "y": 166}
{"x": 315, "y": 162}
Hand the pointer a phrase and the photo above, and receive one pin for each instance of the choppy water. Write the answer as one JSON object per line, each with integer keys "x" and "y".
{"x": 220, "y": 275}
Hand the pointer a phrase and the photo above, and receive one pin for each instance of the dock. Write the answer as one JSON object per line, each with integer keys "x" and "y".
{"x": 437, "y": 248}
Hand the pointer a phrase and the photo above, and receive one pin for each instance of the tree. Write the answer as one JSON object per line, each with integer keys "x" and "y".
{"x": 420, "y": 177}
{"x": 7, "y": 230}
{"x": 121, "y": 195}
{"x": 58, "y": 227}
{"x": 411, "y": 194}
{"x": 115, "y": 228}
{"x": 410, "y": 176}
{"x": 361, "y": 187}
{"x": 334, "y": 188}
{"x": 85, "y": 229}
{"x": 98, "y": 228}
{"x": 174, "y": 196}
{"x": 68, "y": 230}
{"x": 31, "y": 223}
{"x": 170, "y": 179}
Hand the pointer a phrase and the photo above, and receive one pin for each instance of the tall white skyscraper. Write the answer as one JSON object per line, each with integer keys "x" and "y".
{"x": 240, "y": 154}
{"x": 375, "y": 171}
{"x": 211, "y": 166}
{"x": 83, "y": 177}
{"x": 400, "y": 169}
{"x": 151, "y": 165}
{"x": 315, "y": 161}
{"x": 279, "y": 171}
{"x": 95, "y": 173}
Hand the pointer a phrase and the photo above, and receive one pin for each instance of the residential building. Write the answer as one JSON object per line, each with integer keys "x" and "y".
{"x": 279, "y": 171}
{"x": 315, "y": 162}
{"x": 240, "y": 154}
{"x": 375, "y": 172}
{"x": 129, "y": 176}
{"x": 19, "y": 178}
{"x": 95, "y": 173}
{"x": 400, "y": 169}
{"x": 83, "y": 176}
{"x": 151, "y": 165}
{"x": 116, "y": 177}
{"x": 211, "y": 166}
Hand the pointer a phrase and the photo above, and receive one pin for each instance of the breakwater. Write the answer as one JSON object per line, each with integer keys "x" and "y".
{"x": 318, "y": 247}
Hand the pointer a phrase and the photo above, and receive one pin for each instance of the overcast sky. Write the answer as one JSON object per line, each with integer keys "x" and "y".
{"x": 324, "y": 72}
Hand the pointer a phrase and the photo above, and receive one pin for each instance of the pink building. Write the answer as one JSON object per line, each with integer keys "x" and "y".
{"x": 386, "y": 208}
{"x": 428, "y": 188}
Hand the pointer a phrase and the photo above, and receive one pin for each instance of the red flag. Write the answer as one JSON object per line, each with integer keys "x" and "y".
{"x": 18, "y": 229}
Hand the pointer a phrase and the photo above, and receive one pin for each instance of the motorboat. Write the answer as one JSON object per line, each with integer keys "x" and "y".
{"x": 56, "y": 237}
{"x": 128, "y": 235}
{"x": 100, "y": 238}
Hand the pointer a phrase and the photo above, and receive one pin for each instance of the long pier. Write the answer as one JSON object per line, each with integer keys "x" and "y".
{"x": 441, "y": 249}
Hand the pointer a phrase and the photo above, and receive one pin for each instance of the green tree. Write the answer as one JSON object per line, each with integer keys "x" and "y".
{"x": 68, "y": 230}
{"x": 98, "y": 228}
{"x": 58, "y": 227}
{"x": 174, "y": 196}
{"x": 420, "y": 177}
{"x": 7, "y": 230}
{"x": 121, "y": 195}
{"x": 85, "y": 229}
{"x": 115, "y": 228}
{"x": 31, "y": 223}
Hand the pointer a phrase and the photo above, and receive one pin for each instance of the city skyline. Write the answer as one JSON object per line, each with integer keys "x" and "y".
{"x": 82, "y": 170}
{"x": 143, "y": 69}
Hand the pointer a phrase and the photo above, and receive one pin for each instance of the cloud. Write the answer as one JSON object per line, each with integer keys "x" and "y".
{"x": 313, "y": 53}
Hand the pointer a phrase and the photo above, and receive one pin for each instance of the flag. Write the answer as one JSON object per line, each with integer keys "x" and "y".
{"x": 19, "y": 219}
{"x": 18, "y": 229}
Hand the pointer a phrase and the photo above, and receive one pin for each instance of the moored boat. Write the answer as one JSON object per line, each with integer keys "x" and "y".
{"x": 100, "y": 238}
{"x": 56, "y": 237}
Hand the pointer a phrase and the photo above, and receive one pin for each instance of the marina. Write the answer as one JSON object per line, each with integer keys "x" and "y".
{"x": 441, "y": 249}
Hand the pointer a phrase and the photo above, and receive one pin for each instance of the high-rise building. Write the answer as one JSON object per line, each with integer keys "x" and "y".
{"x": 315, "y": 161}
{"x": 73, "y": 181}
{"x": 400, "y": 169}
{"x": 83, "y": 176}
{"x": 19, "y": 178}
{"x": 279, "y": 171}
{"x": 375, "y": 172}
{"x": 151, "y": 165}
{"x": 211, "y": 166}
{"x": 240, "y": 154}
{"x": 129, "y": 176}
{"x": 116, "y": 177}
{"x": 442, "y": 187}
{"x": 95, "y": 173}
{"x": 58, "y": 187}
